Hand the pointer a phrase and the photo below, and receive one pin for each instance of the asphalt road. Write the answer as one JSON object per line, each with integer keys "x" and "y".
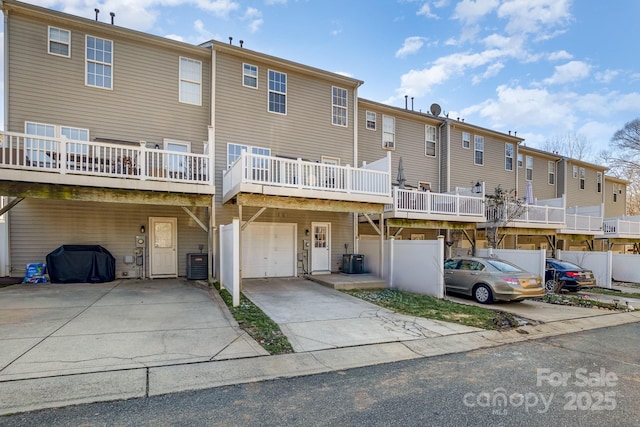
{"x": 586, "y": 379}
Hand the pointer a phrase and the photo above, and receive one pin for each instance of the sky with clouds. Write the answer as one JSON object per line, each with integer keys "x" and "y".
{"x": 543, "y": 68}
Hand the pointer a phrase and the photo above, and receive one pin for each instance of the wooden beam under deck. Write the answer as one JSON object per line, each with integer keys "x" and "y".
{"x": 30, "y": 190}
{"x": 429, "y": 224}
{"x": 281, "y": 202}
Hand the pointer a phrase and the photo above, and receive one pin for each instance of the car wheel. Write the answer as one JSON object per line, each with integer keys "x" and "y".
{"x": 483, "y": 294}
{"x": 550, "y": 286}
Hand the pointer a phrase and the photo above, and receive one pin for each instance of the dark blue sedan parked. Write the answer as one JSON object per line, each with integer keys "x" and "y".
{"x": 566, "y": 275}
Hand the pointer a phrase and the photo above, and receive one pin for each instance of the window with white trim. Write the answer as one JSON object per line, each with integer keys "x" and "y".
{"x": 40, "y": 151}
{"x": 466, "y": 140}
{"x": 59, "y": 42}
{"x": 599, "y": 182}
{"x": 429, "y": 140}
{"x": 520, "y": 160}
{"x": 250, "y": 76}
{"x": 388, "y": 132}
{"x": 339, "y": 106}
{"x": 551, "y": 172}
{"x": 190, "y": 81}
{"x": 371, "y": 120}
{"x": 235, "y": 150}
{"x": 575, "y": 172}
{"x": 529, "y": 168}
{"x": 177, "y": 164}
{"x": 478, "y": 148}
{"x": 99, "y": 62}
{"x": 277, "y": 92}
{"x": 508, "y": 156}
{"x": 582, "y": 176}
{"x": 616, "y": 191}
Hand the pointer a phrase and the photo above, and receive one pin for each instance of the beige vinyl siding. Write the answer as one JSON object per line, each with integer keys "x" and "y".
{"x": 611, "y": 209}
{"x": 39, "y": 226}
{"x": 587, "y": 197}
{"x": 542, "y": 190}
{"x": 410, "y": 146}
{"x": 143, "y": 104}
{"x": 464, "y": 173}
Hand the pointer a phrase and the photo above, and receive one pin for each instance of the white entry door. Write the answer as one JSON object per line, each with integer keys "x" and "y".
{"x": 320, "y": 248}
{"x": 163, "y": 247}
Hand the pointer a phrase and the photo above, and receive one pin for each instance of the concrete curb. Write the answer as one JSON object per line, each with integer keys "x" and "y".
{"x": 40, "y": 393}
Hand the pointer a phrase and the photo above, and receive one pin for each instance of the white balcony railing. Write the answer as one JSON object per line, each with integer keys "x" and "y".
{"x": 66, "y": 156}
{"x": 625, "y": 226}
{"x": 427, "y": 202}
{"x": 585, "y": 223}
{"x": 531, "y": 214}
{"x": 305, "y": 175}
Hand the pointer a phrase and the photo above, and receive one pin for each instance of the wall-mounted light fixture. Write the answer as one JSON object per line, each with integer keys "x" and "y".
{"x": 157, "y": 147}
{"x": 306, "y": 232}
{"x": 477, "y": 189}
{"x": 142, "y": 229}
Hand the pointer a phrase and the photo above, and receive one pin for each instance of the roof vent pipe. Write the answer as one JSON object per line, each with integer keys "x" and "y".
{"x": 412, "y": 103}
{"x": 97, "y": 11}
{"x": 241, "y": 43}
{"x": 113, "y": 15}
{"x": 406, "y": 97}
{"x": 230, "y": 40}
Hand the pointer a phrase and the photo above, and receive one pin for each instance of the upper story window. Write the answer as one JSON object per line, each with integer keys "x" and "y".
{"x": 616, "y": 191}
{"x": 388, "y": 132}
{"x": 529, "y": 168}
{"x": 478, "y": 146}
{"x": 551, "y": 172}
{"x": 520, "y": 162}
{"x": 575, "y": 172}
{"x": 466, "y": 140}
{"x": 235, "y": 150}
{"x": 99, "y": 59}
{"x": 508, "y": 156}
{"x": 599, "y": 182}
{"x": 190, "y": 81}
{"x": 59, "y": 42}
{"x": 250, "y": 76}
{"x": 339, "y": 106}
{"x": 582, "y": 175}
{"x": 429, "y": 140}
{"x": 277, "y": 92}
{"x": 371, "y": 120}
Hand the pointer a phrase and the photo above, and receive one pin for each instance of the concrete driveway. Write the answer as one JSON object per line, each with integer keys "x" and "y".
{"x": 315, "y": 317}
{"x": 59, "y": 329}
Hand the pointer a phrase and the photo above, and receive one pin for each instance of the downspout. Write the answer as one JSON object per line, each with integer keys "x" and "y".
{"x": 448, "y": 156}
{"x": 354, "y": 219}
{"x": 214, "y": 260}
{"x": 6, "y": 66}
{"x": 440, "y": 157}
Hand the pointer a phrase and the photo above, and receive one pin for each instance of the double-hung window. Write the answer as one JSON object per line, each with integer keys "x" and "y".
{"x": 520, "y": 162}
{"x": 478, "y": 147}
{"x": 466, "y": 140}
{"x": 551, "y": 171}
{"x": 339, "y": 106}
{"x": 277, "y": 92}
{"x": 575, "y": 172}
{"x": 582, "y": 176}
{"x": 429, "y": 141}
{"x": 599, "y": 182}
{"x": 529, "y": 168}
{"x": 616, "y": 190}
{"x": 99, "y": 62}
{"x": 250, "y": 76}
{"x": 190, "y": 81}
{"x": 371, "y": 120}
{"x": 388, "y": 132}
{"x": 59, "y": 42}
{"x": 235, "y": 150}
{"x": 42, "y": 151}
{"x": 508, "y": 156}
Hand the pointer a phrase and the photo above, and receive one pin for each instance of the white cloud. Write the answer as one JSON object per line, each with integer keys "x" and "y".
{"x": 607, "y": 76}
{"x": 569, "y": 72}
{"x": 411, "y": 45}
{"x": 272, "y": 2}
{"x": 532, "y": 16}
{"x": 559, "y": 55}
{"x": 471, "y": 11}
{"x": 336, "y": 32}
{"x": 491, "y": 71}
{"x": 254, "y": 16}
{"x": 425, "y": 10}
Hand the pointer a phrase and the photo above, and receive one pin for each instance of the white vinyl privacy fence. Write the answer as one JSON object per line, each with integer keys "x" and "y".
{"x": 531, "y": 261}
{"x": 410, "y": 265}
{"x": 625, "y": 268}
{"x": 601, "y": 263}
{"x": 230, "y": 259}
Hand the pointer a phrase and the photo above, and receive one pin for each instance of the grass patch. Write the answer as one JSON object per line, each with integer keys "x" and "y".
{"x": 433, "y": 308}
{"x": 257, "y": 324}
{"x": 614, "y": 293}
{"x": 582, "y": 301}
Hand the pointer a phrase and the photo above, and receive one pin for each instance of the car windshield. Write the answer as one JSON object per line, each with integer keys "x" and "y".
{"x": 504, "y": 266}
{"x": 567, "y": 265}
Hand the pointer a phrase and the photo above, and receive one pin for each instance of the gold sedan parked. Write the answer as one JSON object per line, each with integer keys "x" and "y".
{"x": 490, "y": 279}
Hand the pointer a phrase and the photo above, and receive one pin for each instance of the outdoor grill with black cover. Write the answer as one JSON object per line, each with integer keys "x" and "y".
{"x": 81, "y": 264}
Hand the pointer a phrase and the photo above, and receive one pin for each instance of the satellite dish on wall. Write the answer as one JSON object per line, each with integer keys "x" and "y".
{"x": 435, "y": 109}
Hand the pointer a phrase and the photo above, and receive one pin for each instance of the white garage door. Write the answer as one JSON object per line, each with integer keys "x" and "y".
{"x": 268, "y": 250}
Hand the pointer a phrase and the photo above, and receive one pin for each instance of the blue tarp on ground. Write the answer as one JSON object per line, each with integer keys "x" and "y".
{"x": 81, "y": 264}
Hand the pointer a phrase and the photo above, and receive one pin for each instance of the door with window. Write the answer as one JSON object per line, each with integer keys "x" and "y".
{"x": 163, "y": 247}
{"x": 321, "y": 248}
{"x": 177, "y": 164}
